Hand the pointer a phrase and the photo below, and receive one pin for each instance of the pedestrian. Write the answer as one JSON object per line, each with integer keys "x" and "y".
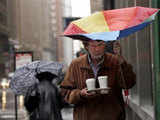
{"x": 96, "y": 106}
{"x": 117, "y": 48}
{"x": 43, "y": 101}
{"x": 109, "y": 47}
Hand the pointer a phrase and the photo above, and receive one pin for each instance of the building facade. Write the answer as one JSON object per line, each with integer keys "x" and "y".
{"x": 139, "y": 51}
{"x": 34, "y": 25}
{"x": 68, "y": 42}
{"x": 4, "y": 43}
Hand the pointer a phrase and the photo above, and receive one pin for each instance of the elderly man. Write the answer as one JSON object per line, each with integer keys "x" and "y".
{"x": 93, "y": 106}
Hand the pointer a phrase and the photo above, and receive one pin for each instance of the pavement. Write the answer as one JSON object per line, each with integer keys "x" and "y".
{"x": 9, "y": 112}
{"x": 67, "y": 113}
{"x": 10, "y": 115}
{"x": 22, "y": 115}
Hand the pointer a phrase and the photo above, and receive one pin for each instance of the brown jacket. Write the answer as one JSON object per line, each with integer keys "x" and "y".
{"x": 102, "y": 107}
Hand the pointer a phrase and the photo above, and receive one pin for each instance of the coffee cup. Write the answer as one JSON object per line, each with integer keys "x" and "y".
{"x": 103, "y": 83}
{"x": 91, "y": 83}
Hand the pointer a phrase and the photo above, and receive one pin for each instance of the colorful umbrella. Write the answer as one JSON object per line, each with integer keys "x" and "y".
{"x": 111, "y": 24}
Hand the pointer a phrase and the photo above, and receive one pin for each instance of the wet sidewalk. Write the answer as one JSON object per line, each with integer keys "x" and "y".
{"x": 9, "y": 112}
{"x": 67, "y": 113}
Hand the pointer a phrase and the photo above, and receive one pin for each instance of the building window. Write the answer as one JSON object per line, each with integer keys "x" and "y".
{"x": 3, "y": 19}
{"x": 137, "y": 50}
{"x": 4, "y": 2}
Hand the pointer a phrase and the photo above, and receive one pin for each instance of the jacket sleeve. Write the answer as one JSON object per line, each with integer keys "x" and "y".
{"x": 69, "y": 91}
{"x": 126, "y": 77}
{"x": 31, "y": 100}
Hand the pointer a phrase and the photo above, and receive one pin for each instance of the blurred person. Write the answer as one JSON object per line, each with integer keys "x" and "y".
{"x": 109, "y": 47}
{"x": 93, "y": 106}
{"x": 43, "y": 101}
{"x": 116, "y": 48}
{"x": 113, "y": 47}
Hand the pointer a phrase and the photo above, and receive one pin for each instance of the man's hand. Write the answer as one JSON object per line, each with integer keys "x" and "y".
{"x": 84, "y": 93}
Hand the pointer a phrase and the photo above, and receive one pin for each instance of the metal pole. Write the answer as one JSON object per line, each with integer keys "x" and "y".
{"x": 156, "y": 85}
{"x": 16, "y": 108}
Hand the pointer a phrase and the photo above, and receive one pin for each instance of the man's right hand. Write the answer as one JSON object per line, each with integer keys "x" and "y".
{"x": 84, "y": 93}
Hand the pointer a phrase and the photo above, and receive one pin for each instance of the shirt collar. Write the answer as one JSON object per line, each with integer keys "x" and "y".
{"x": 90, "y": 61}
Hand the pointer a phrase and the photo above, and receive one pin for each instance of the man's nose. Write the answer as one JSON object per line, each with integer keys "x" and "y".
{"x": 96, "y": 48}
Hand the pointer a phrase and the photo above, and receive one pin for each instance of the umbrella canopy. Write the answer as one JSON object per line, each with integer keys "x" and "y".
{"x": 25, "y": 77}
{"x": 111, "y": 24}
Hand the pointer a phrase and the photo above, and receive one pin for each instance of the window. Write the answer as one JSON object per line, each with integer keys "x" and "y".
{"x": 3, "y": 19}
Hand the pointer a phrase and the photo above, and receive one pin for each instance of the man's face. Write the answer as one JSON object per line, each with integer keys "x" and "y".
{"x": 96, "y": 49}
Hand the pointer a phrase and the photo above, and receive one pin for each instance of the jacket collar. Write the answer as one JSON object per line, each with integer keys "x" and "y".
{"x": 85, "y": 64}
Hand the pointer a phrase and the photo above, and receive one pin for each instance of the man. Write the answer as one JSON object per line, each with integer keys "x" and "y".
{"x": 92, "y": 106}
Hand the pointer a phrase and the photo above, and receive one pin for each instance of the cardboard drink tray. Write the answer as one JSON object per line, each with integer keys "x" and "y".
{"x": 100, "y": 90}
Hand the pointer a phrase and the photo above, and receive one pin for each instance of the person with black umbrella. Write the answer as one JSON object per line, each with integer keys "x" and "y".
{"x": 43, "y": 101}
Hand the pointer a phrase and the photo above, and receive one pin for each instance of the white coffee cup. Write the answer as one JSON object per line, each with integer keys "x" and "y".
{"x": 91, "y": 83}
{"x": 103, "y": 82}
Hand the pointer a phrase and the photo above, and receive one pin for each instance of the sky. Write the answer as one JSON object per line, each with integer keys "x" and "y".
{"x": 80, "y": 8}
